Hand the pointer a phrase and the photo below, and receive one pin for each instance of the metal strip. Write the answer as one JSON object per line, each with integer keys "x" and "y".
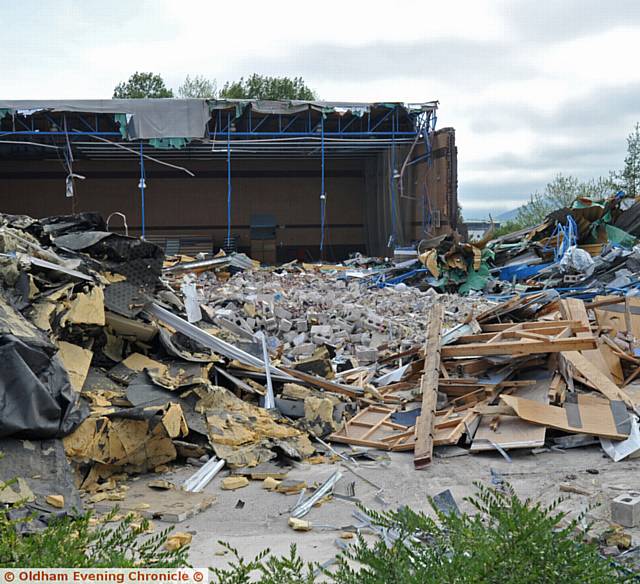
{"x": 621, "y": 416}
{"x": 207, "y": 340}
{"x": 573, "y": 414}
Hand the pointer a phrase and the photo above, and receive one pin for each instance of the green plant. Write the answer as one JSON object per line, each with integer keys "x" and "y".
{"x": 270, "y": 569}
{"x": 506, "y": 228}
{"x": 561, "y": 192}
{"x": 198, "y": 86}
{"x": 508, "y": 541}
{"x": 73, "y": 542}
{"x": 628, "y": 179}
{"x": 142, "y": 85}
{"x": 264, "y": 87}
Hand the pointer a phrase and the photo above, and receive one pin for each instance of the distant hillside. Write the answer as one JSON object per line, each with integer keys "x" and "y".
{"x": 507, "y": 215}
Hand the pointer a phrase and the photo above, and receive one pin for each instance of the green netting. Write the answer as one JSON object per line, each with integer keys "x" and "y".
{"x": 619, "y": 236}
{"x": 168, "y": 143}
{"x": 122, "y": 120}
{"x": 476, "y": 280}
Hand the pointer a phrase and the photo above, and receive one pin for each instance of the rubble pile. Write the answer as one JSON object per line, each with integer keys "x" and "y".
{"x": 88, "y": 360}
{"x": 302, "y": 310}
{"x": 125, "y": 362}
{"x": 588, "y": 247}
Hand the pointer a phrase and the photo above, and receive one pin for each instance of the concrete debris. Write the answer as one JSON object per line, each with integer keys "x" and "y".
{"x": 144, "y": 365}
{"x": 625, "y": 510}
{"x": 232, "y": 483}
{"x": 177, "y": 539}
{"x": 56, "y": 501}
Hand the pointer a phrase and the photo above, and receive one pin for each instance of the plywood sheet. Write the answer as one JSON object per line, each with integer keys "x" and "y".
{"x": 596, "y": 420}
{"x": 613, "y": 316}
{"x": 513, "y": 432}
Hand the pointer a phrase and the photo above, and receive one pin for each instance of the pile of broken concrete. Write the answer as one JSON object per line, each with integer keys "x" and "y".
{"x": 121, "y": 361}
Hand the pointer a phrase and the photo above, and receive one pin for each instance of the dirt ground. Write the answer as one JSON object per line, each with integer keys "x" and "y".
{"x": 262, "y": 521}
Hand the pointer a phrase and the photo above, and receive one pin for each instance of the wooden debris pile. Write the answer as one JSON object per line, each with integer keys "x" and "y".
{"x": 502, "y": 380}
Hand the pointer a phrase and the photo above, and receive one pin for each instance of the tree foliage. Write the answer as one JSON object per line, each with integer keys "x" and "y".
{"x": 142, "y": 85}
{"x": 628, "y": 179}
{"x": 264, "y": 87}
{"x": 561, "y": 192}
{"x": 198, "y": 86}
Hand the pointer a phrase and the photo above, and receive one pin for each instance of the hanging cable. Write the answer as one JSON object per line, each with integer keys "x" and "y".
{"x": 323, "y": 194}
{"x": 68, "y": 164}
{"x": 121, "y": 147}
{"x": 142, "y": 186}
{"x": 124, "y": 221}
{"x": 228, "y": 180}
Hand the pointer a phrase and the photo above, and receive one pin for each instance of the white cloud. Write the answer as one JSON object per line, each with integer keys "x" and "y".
{"x": 532, "y": 89}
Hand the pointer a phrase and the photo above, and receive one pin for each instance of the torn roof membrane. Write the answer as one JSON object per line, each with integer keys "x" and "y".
{"x": 184, "y": 119}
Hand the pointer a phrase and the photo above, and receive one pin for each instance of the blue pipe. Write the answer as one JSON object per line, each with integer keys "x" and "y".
{"x": 323, "y": 195}
{"x": 142, "y": 185}
{"x": 297, "y": 134}
{"x": 33, "y": 133}
{"x": 392, "y": 179}
{"x": 412, "y": 134}
{"x": 228, "y": 180}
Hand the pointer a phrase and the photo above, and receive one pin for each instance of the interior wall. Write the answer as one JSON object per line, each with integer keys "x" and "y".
{"x": 178, "y": 205}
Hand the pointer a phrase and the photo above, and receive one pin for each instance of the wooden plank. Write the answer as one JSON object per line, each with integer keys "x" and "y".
{"x": 372, "y": 427}
{"x": 557, "y": 389}
{"x": 597, "y": 378}
{"x": 614, "y": 316}
{"x": 451, "y": 430}
{"x": 536, "y": 325}
{"x": 519, "y": 329}
{"x": 523, "y": 347}
{"x": 574, "y": 308}
{"x": 429, "y": 384}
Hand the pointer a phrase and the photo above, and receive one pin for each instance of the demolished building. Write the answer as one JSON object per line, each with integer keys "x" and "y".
{"x": 125, "y": 368}
{"x": 279, "y": 180}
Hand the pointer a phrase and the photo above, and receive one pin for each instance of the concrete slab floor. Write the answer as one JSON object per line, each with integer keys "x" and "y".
{"x": 262, "y": 521}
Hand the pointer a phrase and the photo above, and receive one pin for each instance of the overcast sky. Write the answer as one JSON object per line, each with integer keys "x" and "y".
{"x": 533, "y": 88}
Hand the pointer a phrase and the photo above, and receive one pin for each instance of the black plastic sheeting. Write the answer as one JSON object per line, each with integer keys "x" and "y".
{"x": 36, "y": 397}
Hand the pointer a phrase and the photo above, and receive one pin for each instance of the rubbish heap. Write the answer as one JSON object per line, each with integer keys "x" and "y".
{"x": 586, "y": 247}
{"x": 123, "y": 361}
{"x": 94, "y": 354}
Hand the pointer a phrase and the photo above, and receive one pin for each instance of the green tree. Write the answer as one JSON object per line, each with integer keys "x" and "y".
{"x": 142, "y": 85}
{"x": 628, "y": 179}
{"x": 264, "y": 87}
{"x": 198, "y": 86}
{"x": 561, "y": 192}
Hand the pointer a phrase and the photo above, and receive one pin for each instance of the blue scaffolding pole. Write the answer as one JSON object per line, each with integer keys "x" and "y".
{"x": 142, "y": 186}
{"x": 323, "y": 194}
{"x": 228, "y": 180}
{"x": 392, "y": 181}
